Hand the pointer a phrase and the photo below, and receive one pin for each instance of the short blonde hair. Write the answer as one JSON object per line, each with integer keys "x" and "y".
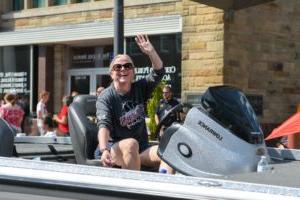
{"x": 43, "y": 94}
{"x": 117, "y": 57}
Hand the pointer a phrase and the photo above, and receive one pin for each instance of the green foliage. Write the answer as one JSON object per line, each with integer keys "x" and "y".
{"x": 151, "y": 107}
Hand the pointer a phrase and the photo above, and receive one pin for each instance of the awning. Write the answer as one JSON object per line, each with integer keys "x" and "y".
{"x": 90, "y": 31}
{"x": 288, "y": 127}
{"x": 232, "y": 4}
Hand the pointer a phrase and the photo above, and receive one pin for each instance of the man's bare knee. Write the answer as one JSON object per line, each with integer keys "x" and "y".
{"x": 130, "y": 154}
{"x": 130, "y": 146}
{"x": 149, "y": 157}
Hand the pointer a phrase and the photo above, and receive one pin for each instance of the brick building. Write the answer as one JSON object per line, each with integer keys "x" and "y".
{"x": 65, "y": 45}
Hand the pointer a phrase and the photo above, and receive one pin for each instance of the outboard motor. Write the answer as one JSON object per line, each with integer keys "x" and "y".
{"x": 220, "y": 137}
{"x": 6, "y": 139}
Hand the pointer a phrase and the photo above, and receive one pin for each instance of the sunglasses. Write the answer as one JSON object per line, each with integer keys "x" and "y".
{"x": 126, "y": 66}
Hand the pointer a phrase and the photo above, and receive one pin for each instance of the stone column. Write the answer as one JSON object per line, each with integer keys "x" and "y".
{"x": 45, "y": 72}
{"x": 202, "y": 47}
{"x": 60, "y": 73}
{"x": 27, "y": 4}
{"x": 5, "y": 6}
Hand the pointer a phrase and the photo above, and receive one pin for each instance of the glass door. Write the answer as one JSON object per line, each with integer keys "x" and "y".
{"x": 80, "y": 84}
{"x": 102, "y": 80}
{"x": 86, "y": 81}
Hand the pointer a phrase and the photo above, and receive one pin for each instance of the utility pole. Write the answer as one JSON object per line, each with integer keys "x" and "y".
{"x": 118, "y": 27}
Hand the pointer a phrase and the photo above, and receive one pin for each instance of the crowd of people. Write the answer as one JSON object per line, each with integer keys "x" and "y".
{"x": 49, "y": 124}
{"x": 14, "y": 109}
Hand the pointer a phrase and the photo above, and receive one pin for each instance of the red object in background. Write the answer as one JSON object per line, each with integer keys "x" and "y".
{"x": 289, "y": 127}
{"x": 294, "y": 141}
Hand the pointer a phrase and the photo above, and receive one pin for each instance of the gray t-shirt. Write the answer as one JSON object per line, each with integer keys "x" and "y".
{"x": 124, "y": 114}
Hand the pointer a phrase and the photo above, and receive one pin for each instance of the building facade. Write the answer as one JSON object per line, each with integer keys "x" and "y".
{"x": 66, "y": 45}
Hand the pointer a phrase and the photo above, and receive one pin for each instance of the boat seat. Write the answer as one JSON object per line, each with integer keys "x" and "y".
{"x": 6, "y": 139}
{"x": 83, "y": 129}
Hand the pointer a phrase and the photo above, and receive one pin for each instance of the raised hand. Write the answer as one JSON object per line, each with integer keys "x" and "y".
{"x": 145, "y": 45}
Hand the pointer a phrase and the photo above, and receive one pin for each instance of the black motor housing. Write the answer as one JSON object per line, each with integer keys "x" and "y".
{"x": 230, "y": 107}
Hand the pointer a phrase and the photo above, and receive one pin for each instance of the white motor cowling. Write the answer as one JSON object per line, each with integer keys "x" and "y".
{"x": 220, "y": 137}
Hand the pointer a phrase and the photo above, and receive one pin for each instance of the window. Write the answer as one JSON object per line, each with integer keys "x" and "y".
{"x": 90, "y": 57}
{"x": 38, "y": 3}
{"x": 178, "y": 43}
{"x": 165, "y": 44}
{"x": 18, "y": 5}
{"x": 108, "y": 55}
{"x": 82, "y": 1}
{"x": 15, "y": 70}
{"x": 132, "y": 48}
{"x": 59, "y": 2}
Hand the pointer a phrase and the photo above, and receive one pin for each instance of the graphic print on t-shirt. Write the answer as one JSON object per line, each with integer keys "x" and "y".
{"x": 132, "y": 114}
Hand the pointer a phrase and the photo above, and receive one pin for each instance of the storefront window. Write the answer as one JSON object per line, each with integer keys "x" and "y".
{"x": 18, "y": 5}
{"x": 15, "y": 70}
{"x": 38, "y": 3}
{"x": 81, "y": 1}
{"x": 91, "y": 57}
{"x": 164, "y": 44}
{"x": 169, "y": 48}
{"x": 59, "y": 2}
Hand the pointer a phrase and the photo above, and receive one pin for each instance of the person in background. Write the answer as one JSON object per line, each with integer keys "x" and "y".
{"x": 99, "y": 90}
{"x": 164, "y": 105}
{"x": 282, "y": 143}
{"x": 49, "y": 127}
{"x": 41, "y": 110}
{"x": 121, "y": 113}
{"x": 11, "y": 112}
{"x": 62, "y": 118}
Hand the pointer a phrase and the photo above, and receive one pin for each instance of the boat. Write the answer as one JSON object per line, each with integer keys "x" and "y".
{"x": 215, "y": 157}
